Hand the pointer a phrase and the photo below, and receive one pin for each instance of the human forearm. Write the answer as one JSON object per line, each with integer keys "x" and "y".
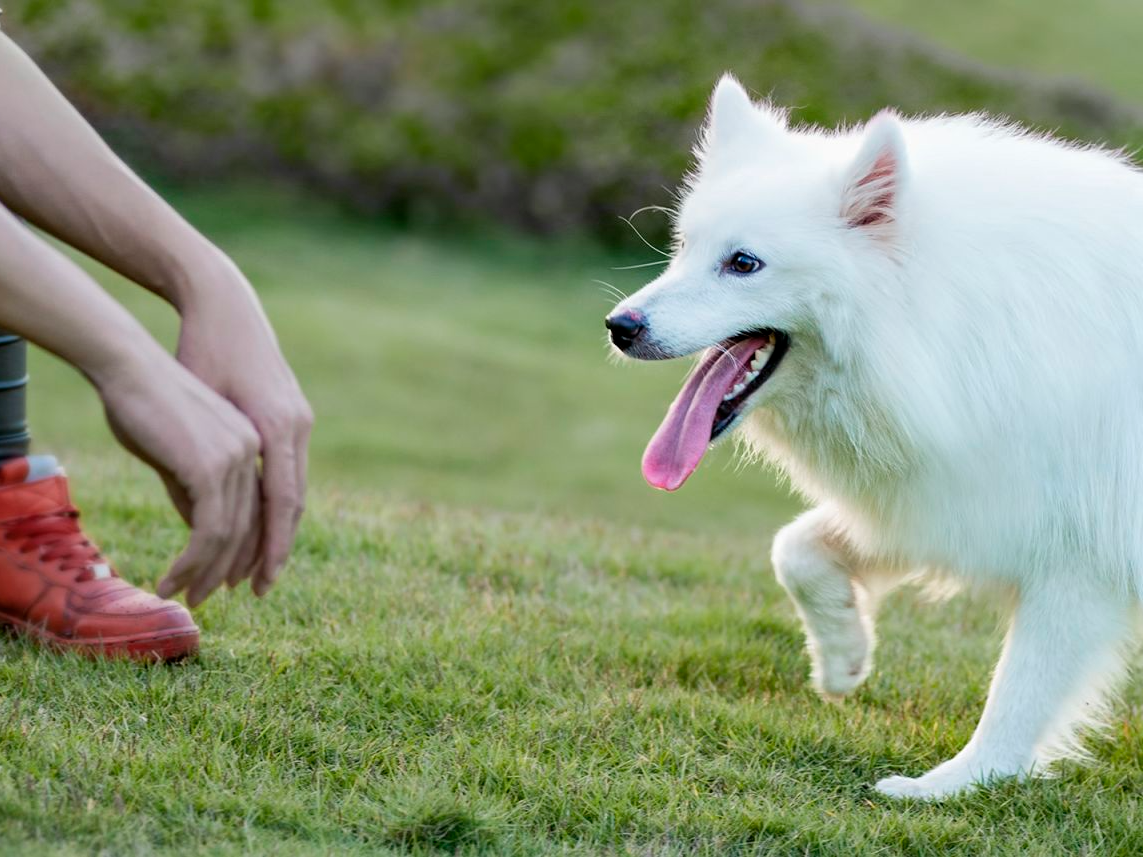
{"x": 48, "y": 299}
{"x": 204, "y": 449}
{"x": 57, "y": 173}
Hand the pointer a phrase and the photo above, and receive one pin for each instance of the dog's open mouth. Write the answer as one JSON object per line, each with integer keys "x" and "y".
{"x": 711, "y": 402}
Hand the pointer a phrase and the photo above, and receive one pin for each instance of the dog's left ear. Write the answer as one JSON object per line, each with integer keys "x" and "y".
{"x": 737, "y": 125}
{"x": 871, "y": 191}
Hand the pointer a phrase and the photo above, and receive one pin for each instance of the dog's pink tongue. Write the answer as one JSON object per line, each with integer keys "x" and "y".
{"x": 681, "y": 441}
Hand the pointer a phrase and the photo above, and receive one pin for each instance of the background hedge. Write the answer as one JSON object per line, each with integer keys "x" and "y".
{"x": 551, "y": 116}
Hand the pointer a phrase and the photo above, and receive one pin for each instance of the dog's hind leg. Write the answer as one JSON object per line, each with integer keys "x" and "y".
{"x": 835, "y": 593}
{"x": 1064, "y": 648}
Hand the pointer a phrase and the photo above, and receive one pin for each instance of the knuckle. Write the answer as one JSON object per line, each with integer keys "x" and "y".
{"x": 238, "y": 451}
{"x": 248, "y": 444}
{"x": 281, "y": 426}
{"x": 286, "y": 418}
{"x": 306, "y": 417}
{"x": 212, "y": 538}
{"x": 274, "y": 424}
{"x": 216, "y": 465}
{"x": 228, "y": 454}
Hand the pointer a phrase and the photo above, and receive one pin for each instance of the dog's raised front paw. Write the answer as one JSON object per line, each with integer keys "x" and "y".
{"x": 841, "y": 658}
{"x": 839, "y": 673}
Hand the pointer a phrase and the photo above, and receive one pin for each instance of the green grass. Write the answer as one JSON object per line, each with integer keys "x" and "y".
{"x": 1096, "y": 41}
{"x": 426, "y": 680}
{"x": 493, "y": 638}
{"x": 470, "y": 370}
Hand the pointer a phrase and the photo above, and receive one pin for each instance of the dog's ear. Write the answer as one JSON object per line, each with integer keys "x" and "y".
{"x": 871, "y": 191}
{"x": 735, "y": 123}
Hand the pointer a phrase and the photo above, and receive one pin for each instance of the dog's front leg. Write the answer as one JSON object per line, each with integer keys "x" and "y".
{"x": 1064, "y": 648}
{"x": 829, "y": 584}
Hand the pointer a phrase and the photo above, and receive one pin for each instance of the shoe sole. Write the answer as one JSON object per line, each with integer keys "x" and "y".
{"x": 159, "y": 648}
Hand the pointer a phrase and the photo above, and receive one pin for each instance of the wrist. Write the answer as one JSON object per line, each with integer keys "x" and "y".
{"x": 194, "y": 273}
{"x": 130, "y": 357}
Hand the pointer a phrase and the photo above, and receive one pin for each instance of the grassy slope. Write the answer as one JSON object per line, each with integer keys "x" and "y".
{"x": 1096, "y": 41}
{"x": 487, "y": 682}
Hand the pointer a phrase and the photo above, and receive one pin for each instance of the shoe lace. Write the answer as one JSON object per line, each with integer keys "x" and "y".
{"x": 58, "y": 538}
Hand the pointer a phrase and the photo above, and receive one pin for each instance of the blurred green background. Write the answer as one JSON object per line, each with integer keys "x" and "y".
{"x": 427, "y": 194}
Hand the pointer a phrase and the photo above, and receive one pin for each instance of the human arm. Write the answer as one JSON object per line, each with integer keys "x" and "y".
{"x": 202, "y": 446}
{"x": 57, "y": 173}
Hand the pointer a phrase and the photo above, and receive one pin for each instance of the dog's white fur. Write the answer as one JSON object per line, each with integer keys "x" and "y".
{"x": 963, "y": 395}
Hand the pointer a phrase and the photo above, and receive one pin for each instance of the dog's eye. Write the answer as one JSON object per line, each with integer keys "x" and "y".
{"x": 743, "y": 263}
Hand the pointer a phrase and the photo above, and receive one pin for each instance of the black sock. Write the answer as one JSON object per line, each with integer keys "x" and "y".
{"x": 14, "y": 435}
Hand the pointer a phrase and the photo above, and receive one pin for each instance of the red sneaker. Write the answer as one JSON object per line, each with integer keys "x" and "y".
{"x": 57, "y": 587}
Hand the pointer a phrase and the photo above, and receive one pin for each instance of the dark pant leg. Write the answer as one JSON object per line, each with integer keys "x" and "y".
{"x": 14, "y": 436}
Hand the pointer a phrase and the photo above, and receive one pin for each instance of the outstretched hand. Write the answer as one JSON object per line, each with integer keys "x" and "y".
{"x": 56, "y": 173}
{"x": 206, "y": 452}
{"x": 227, "y": 342}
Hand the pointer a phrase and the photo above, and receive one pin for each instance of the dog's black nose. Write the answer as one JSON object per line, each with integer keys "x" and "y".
{"x": 625, "y": 328}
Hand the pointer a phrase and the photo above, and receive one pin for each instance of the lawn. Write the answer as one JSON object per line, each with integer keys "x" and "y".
{"x": 464, "y": 369}
{"x": 493, "y": 637}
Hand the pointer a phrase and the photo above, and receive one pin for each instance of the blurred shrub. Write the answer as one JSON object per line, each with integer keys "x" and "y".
{"x": 547, "y": 115}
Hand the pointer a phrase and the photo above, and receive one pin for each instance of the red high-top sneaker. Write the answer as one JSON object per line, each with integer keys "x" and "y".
{"x": 57, "y": 587}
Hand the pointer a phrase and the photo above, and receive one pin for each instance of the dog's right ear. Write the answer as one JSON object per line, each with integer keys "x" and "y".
{"x": 871, "y": 191}
{"x": 736, "y": 124}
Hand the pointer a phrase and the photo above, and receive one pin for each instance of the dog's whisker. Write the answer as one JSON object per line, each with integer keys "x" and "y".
{"x": 658, "y": 208}
{"x": 612, "y": 295}
{"x": 641, "y": 265}
{"x": 641, "y": 237}
{"x": 614, "y": 291}
{"x": 718, "y": 346}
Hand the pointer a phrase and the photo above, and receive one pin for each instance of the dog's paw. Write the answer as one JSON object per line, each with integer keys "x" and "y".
{"x": 954, "y": 777}
{"x": 840, "y": 674}
{"x": 921, "y": 788}
{"x": 841, "y": 661}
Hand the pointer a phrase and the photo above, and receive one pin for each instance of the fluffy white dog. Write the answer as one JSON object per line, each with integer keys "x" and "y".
{"x": 934, "y": 327}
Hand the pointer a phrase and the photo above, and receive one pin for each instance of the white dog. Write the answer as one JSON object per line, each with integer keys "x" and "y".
{"x": 934, "y": 327}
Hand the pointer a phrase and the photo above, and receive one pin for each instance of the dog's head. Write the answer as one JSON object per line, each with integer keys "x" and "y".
{"x": 784, "y": 239}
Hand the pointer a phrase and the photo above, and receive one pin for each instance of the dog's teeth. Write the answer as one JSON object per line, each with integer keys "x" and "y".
{"x": 759, "y": 361}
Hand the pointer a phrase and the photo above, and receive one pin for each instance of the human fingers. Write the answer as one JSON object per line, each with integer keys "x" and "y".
{"x": 281, "y": 510}
{"x": 239, "y": 500}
